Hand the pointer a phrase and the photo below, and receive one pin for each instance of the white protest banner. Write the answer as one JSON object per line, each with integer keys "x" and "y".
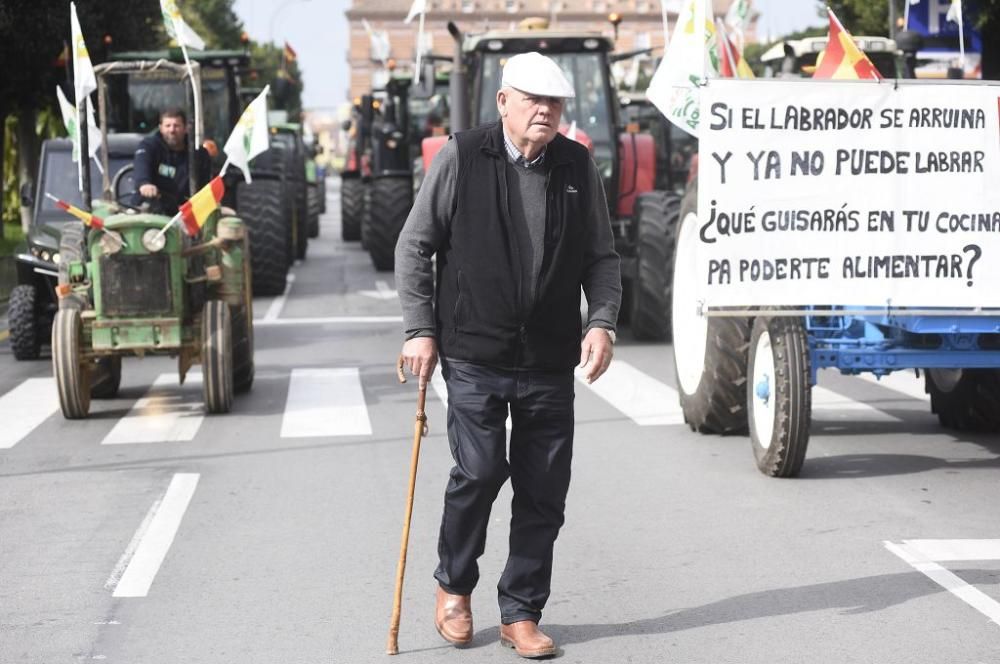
{"x": 848, "y": 193}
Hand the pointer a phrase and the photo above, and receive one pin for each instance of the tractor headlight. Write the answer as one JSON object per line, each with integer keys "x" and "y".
{"x": 45, "y": 255}
{"x": 154, "y": 240}
{"x": 56, "y": 258}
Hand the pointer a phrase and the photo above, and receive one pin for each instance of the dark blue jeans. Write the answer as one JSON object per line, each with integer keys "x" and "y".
{"x": 541, "y": 449}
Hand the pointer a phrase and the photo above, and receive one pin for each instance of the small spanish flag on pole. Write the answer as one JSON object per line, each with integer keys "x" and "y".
{"x": 842, "y": 59}
{"x": 290, "y": 54}
{"x": 196, "y": 210}
{"x": 88, "y": 218}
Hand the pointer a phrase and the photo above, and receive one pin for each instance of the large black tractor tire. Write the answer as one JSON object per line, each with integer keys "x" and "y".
{"x": 313, "y": 209}
{"x": 71, "y": 372}
{"x": 25, "y": 322}
{"x": 352, "y": 208}
{"x": 366, "y": 214}
{"x": 321, "y": 187}
{"x": 242, "y": 326}
{"x": 392, "y": 199}
{"x": 72, "y": 248}
{"x": 657, "y": 217}
{"x": 217, "y": 357}
{"x": 107, "y": 378}
{"x": 260, "y": 206}
{"x": 710, "y": 354}
{"x": 779, "y": 396}
{"x": 301, "y": 219}
{"x": 965, "y": 399}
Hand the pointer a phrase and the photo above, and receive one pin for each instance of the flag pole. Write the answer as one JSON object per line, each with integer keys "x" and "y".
{"x": 420, "y": 48}
{"x": 666, "y": 24}
{"x": 83, "y": 136}
{"x": 194, "y": 93}
{"x": 961, "y": 38}
{"x": 906, "y": 14}
{"x": 170, "y": 223}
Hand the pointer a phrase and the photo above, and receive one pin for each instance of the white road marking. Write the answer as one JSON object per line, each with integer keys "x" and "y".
{"x": 116, "y": 573}
{"x": 163, "y": 415}
{"x": 25, "y": 407}
{"x": 330, "y": 320}
{"x": 381, "y": 292}
{"x": 940, "y": 550}
{"x": 645, "y": 400}
{"x": 836, "y": 406}
{"x": 278, "y": 304}
{"x": 325, "y": 402}
{"x": 905, "y": 382}
{"x": 441, "y": 390}
{"x": 949, "y": 581}
{"x": 155, "y": 542}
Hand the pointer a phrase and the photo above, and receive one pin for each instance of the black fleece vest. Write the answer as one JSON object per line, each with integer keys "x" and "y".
{"x": 483, "y": 314}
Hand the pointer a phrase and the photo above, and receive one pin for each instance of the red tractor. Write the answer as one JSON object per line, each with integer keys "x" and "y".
{"x": 641, "y": 214}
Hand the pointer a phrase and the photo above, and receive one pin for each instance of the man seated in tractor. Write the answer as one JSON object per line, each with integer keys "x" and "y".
{"x": 161, "y": 163}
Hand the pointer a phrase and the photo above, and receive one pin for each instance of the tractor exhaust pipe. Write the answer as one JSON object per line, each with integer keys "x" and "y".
{"x": 457, "y": 84}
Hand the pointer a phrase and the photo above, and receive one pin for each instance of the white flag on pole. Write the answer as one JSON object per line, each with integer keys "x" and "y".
{"x": 178, "y": 28}
{"x": 955, "y": 11}
{"x": 250, "y": 137}
{"x": 690, "y": 57}
{"x": 84, "y": 81}
{"x": 418, "y": 7}
{"x": 72, "y": 124}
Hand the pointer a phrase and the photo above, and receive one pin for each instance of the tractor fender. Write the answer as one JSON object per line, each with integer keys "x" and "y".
{"x": 429, "y": 147}
{"x": 637, "y": 154}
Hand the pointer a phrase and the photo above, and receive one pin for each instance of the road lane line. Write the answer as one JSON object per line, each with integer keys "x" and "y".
{"x": 156, "y": 541}
{"x": 274, "y": 311}
{"x": 949, "y": 581}
{"x": 645, "y": 400}
{"x": 330, "y": 320}
{"x": 25, "y": 407}
{"x": 325, "y": 402}
{"x": 905, "y": 382}
{"x": 116, "y": 573}
{"x": 163, "y": 415}
{"x": 940, "y": 550}
{"x": 836, "y": 406}
{"x": 441, "y": 390}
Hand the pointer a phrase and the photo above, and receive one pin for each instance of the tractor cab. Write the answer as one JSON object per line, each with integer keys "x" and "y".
{"x": 797, "y": 57}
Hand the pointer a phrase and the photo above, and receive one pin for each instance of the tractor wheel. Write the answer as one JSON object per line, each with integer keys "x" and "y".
{"x": 779, "y": 398}
{"x": 24, "y": 319}
{"x": 301, "y": 219}
{"x": 965, "y": 399}
{"x": 313, "y": 209}
{"x": 242, "y": 324}
{"x": 366, "y": 214}
{"x": 217, "y": 356}
{"x": 107, "y": 377}
{"x": 710, "y": 354}
{"x": 72, "y": 248}
{"x": 71, "y": 372}
{"x": 260, "y": 207}
{"x": 321, "y": 186}
{"x": 392, "y": 199}
{"x": 649, "y": 311}
{"x": 352, "y": 203}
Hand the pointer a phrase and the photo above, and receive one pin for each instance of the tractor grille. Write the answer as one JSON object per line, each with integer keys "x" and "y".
{"x": 136, "y": 285}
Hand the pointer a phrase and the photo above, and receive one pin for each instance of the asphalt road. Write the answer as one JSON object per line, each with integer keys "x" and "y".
{"x": 151, "y": 533}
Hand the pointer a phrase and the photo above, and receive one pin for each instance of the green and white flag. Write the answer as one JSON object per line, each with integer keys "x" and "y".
{"x": 250, "y": 137}
{"x": 691, "y": 57}
{"x": 84, "y": 81}
{"x": 72, "y": 124}
{"x": 178, "y": 28}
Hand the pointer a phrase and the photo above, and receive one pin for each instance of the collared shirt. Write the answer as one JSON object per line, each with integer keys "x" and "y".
{"x": 518, "y": 158}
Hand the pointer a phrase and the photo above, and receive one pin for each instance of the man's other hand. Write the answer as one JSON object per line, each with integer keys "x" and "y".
{"x": 149, "y": 191}
{"x": 596, "y": 352}
{"x": 420, "y": 355}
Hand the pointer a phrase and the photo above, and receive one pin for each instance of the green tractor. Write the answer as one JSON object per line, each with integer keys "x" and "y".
{"x": 265, "y": 205}
{"x": 136, "y": 284}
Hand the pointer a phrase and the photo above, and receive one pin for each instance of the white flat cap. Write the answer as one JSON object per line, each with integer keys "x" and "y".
{"x": 536, "y": 74}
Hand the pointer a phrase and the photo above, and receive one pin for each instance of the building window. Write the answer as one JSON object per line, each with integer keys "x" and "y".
{"x": 512, "y": 6}
{"x": 600, "y": 6}
{"x": 641, "y": 6}
{"x": 468, "y": 6}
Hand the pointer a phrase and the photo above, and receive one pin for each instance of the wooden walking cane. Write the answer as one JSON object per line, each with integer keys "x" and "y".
{"x": 419, "y": 431}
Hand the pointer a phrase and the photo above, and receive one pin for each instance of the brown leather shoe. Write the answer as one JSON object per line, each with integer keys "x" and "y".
{"x": 453, "y": 617}
{"x": 526, "y": 639}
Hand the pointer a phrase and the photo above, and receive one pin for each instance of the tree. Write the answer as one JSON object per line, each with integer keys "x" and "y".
{"x": 285, "y": 78}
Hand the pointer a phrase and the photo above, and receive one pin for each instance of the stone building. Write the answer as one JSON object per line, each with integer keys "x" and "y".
{"x": 641, "y": 27}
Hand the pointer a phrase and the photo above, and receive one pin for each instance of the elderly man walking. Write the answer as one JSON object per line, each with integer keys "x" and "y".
{"x": 517, "y": 217}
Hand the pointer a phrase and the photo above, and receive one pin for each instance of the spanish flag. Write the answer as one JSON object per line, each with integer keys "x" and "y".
{"x": 196, "y": 210}
{"x": 89, "y": 219}
{"x": 731, "y": 61}
{"x": 842, "y": 58}
{"x": 290, "y": 54}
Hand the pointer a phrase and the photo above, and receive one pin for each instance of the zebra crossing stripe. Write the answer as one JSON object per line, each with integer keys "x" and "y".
{"x": 645, "y": 400}
{"x": 167, "y": 413}
{"x": 325, "y": 402}
{"x": 835, "y": 406}
{"x": 25, "y": 407}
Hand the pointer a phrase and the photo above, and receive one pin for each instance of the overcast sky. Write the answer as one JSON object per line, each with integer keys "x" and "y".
{"x": 317, "y": 30}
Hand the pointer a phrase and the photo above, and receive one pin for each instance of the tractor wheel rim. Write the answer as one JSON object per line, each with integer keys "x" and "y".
{"x": 762, "y": 390}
